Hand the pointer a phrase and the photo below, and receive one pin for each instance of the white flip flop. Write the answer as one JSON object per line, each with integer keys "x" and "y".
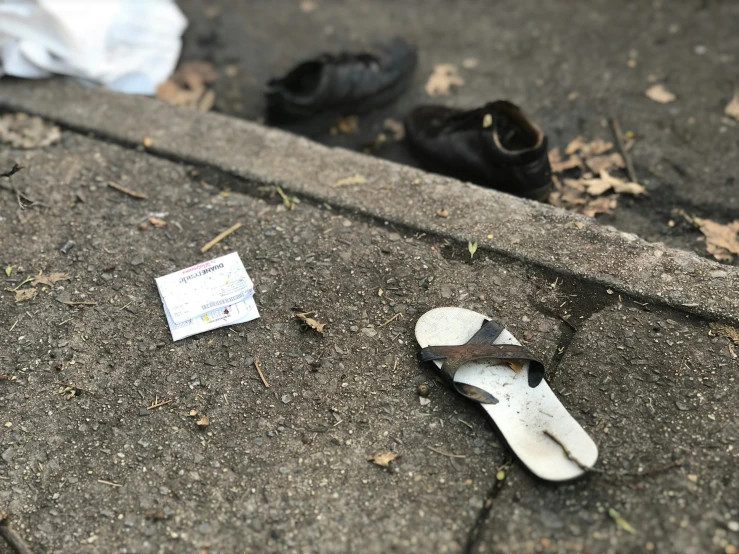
{"x": 469, "y": 350}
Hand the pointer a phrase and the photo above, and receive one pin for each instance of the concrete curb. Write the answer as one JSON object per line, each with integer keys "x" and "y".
{"x": 528, "y": 231}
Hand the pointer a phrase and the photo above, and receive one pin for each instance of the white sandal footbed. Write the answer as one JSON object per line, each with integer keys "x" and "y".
{"x": 538, "y": 428}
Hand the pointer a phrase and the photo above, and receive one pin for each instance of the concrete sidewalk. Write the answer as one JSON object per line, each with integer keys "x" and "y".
{"x": 285, "y": 468}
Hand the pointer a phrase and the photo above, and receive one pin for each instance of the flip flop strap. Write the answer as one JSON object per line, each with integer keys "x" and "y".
{"x": 479, "y": 347}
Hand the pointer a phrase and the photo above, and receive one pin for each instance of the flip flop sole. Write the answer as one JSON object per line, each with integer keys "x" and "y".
{"x": 538, "y": 428}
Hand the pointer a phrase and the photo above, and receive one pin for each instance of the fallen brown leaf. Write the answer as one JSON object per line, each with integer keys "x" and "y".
{"x": 442, "y": 79}
{"x": 442, "y": 212}
{"x": 574, "y": 145}
{"x": 310, "y": 322}
{"x": 192, "y": 413}
{"x": 731, "y": 333}
{"x": 660, "y": 94}
{"x": 383, "y": 457}
{"x": 600, "y": 205}
{"x": 558, "y": 164}
{"x": 601, "y": 162}
{"x": 732, "y": 108}
{"x": 156, "y": 222}
{"x": 721, "y": 240}
{"x": 203, "y": 421}
{"x": 50, "y": 279}
{"x": 21, "y": 295}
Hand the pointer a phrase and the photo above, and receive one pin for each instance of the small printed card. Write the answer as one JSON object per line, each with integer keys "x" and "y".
{"x": 207, "y": 296}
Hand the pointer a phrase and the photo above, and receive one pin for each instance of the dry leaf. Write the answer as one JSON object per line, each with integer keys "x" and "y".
{"x": 600, "y": 205}
{"x": 574, "y": 145}
{"x": 20, "y": 130}
{"x": 606, "y": 182}
{"x": 187, "y": 86}
{"x": 721, "y": 240}
{"x": 353, "y": 180}
{"x": 442, "y": 212}
{"x": 156, "y": 222}
{"x": 515, "y": 365}
{"x": 51, "y": 279}
{"x": 193, "y": 413}
{"x": 22, "y": 295}
{"x": 731, "y": 333}
{"x": 660, "y": 94}
{"x": 555, "y": 160}
{"x": 732, "y": 108}
{"x": 442, "y": 79}
{"x": 596, "y": 164}
{"x": 347, "y": 124}
{"x": 312, "y": 323}
{"x": 395, "y": 127}
{"x": 203, "y": 421}
{"x": 383, "y": 457}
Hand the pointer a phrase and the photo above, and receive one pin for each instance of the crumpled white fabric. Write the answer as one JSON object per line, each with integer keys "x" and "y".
{"x": 125, "y": 45}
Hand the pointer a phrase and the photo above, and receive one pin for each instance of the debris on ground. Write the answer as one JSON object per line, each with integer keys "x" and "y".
{"x": 310, "y": 322}
{"x": 188, "y": 86}
{"x": 442, "y": 79}
{"x": 721, "y": 240}
{"x": 585, "y": 177}
{"x": 207, "y": 296}
{"x": 723, "y": 330}
{"x": 395, "y": 128}
{"x": 21, "y": 295}
{"x": 732, "y": 108}
{"x": 210, "y": 244}
{"x": 288, "y": 201}
{"x": 660, "y": 94}
{"x": 203, "y": 421}
{"x": 129, "y": 192}
{"x": 353, "y": 180}
{"x": 383, "y": 457}
{"x": 621, "y": 522}
{"x": 346, "y": 125}
{"x": 49, "y": 279}
{"x": 21, "y": 130}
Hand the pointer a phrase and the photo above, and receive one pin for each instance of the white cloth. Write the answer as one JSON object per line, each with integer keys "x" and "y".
{"x": 125, "y": 45}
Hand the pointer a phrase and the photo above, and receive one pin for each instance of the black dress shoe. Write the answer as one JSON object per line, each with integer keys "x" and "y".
{"x": 346, "y": 84}
{"x": 495, "y": 146}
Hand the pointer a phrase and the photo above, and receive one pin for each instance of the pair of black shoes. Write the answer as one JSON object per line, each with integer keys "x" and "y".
{"x": 496, "y": 146}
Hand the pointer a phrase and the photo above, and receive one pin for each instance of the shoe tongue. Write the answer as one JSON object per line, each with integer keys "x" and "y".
{"x": 511, "y": 134}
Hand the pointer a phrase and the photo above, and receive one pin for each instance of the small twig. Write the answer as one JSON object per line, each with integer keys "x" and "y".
{"x": 396, "y": 316}
{"x": 15, "y": 169}
{"x": 129, "y": 192}
{"x": 80, "y": 303}
{"x": 261, "y": 375}
{"x": 445, "y": 453}
{"x": 26, "y": 280}
{"x": 158, "y": 404}
{"x": 65, "y": 321}
{"x": 126, "y": 306}
{"x": 104, "y": 482}
{"x": 11, "y": 537}
{"x": 618, "y": 135}
{"x": 219, "y": 238}
{"x": 13, "y": 326}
